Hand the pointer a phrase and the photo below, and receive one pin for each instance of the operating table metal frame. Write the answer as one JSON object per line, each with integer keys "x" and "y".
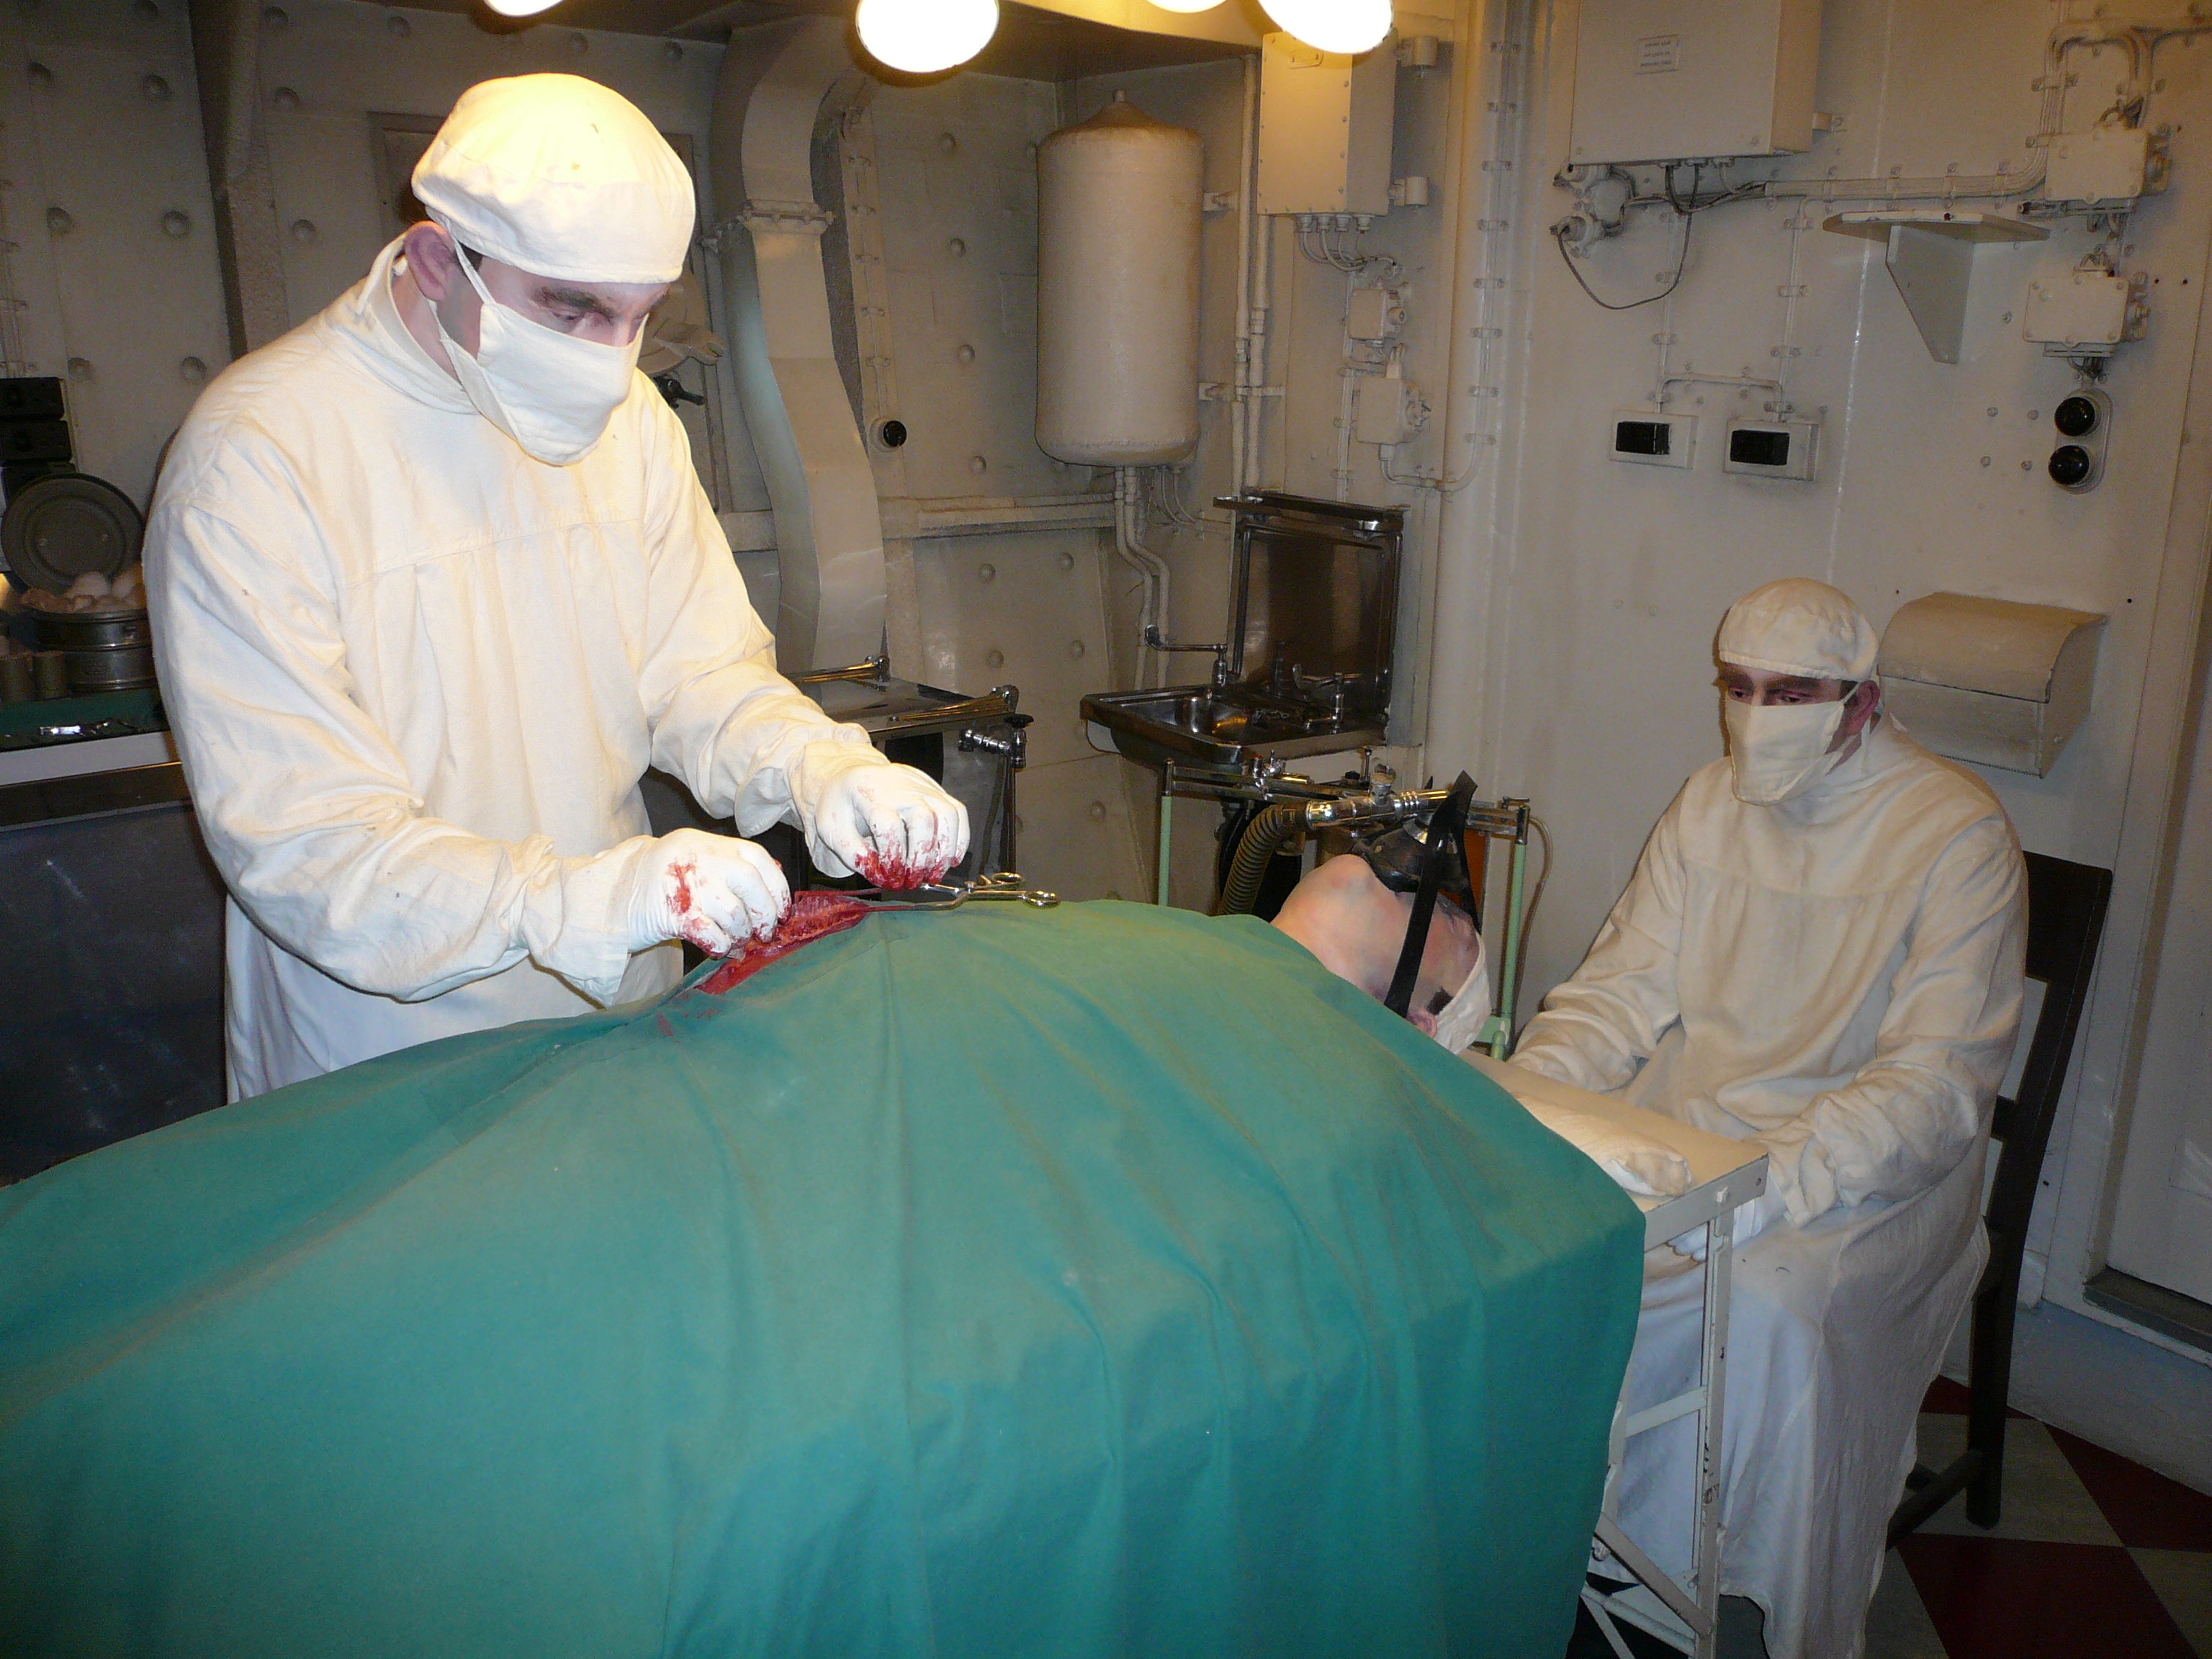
{"x": 1342, "y": 802}
{"x": 1683, "y": 1612}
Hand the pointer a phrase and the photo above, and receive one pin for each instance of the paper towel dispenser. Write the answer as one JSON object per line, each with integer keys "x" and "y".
{"x": 1990, "y": 681}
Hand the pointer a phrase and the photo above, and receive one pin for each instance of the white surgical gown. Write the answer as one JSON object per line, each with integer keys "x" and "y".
{"x": 415, "y": 678}
{"x": 1838, "y": 977}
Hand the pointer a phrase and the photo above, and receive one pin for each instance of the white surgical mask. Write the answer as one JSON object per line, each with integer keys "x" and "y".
{"x": 553, "y": 393}
{"x": 1460, "y": 1021}
{"x": 1777, "y": 750}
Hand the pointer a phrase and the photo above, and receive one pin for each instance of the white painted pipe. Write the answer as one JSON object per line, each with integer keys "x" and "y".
{"x": 1255, "y": 391}
{"x": 1128, "y": 543}
{"x": 1345, "y": 378}
{"x": 1246, "y": 216}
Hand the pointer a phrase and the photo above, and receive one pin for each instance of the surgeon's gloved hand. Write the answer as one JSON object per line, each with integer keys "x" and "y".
{"x": 1752, "y": 1220}
{"x": 710, "y": 891}
{"x": 868, "y": 816}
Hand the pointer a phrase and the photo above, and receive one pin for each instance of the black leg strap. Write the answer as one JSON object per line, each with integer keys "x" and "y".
{"x": 1446, "y": 828}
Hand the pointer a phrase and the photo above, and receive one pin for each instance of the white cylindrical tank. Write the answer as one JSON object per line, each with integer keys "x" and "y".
{"x": 1118, "y": 209}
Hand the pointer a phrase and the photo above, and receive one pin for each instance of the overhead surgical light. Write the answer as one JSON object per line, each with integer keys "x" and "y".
{"x": 1186, "y": 5}
{"x": 521, "y": 8}
{"x": 1350, "y": 27}
{"x": 925, "y": 37}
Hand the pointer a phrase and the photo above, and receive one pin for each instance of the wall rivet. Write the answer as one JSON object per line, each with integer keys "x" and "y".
{"x": 987, "y": 573}
{"x": 81, "y": 370}
{"x": 58, "y": 222}
{"x": 397, "y": 26}
{"x": 673, "y": 53}
{"x": 194, "y": 371}
{"x": 304, "y": 232}
{"x": 285, "y": 97}
{"x": 1075, "y": 647}
{"x": 1067, "y": 561}
{"x": 275, "y": 17}
{"x": 40, "y": 74}
{"x": 1097, "y": 811}
{"x": 947, "y": 142}
{"x": 956, "y": 247}
{"x": 579, "y": 43}
{"x": 146, "y": 11}
{"x": 966, "y": 354}
{"x": 155, "y": 90}
{"x": 976, "y": 463}
{"x": 995, "y": 658}
{"x": 176, "y": 224}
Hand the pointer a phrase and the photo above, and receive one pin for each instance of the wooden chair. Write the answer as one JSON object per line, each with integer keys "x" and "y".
{"x": 2065, "y": 918}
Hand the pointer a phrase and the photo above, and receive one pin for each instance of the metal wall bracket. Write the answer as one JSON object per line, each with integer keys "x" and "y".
{"x": 1930, "y": 256}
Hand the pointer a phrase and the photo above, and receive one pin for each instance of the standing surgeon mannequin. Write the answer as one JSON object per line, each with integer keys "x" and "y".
{"x": 433, "y": 583}
{"x": 1820, "y": 951}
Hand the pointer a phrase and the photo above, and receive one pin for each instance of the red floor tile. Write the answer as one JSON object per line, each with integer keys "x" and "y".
{"x": 1945, "y": 1395}
{"x": 2146, "y": 1509}
{"x": 1995, "y": 1598}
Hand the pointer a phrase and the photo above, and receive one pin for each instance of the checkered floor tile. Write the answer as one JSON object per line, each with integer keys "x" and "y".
{"x": 2095, "y": 1557}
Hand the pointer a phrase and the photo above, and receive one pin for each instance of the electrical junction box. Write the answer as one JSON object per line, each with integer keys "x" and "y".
{"x": 1325, "y": 124}
{"x": 1374, "y": 313}
{"x": 1389, "y": 411}
{"x": 1990, "y": 681}
{"x": 1771, "y": 449}
{"x": 1692, "y": 80}
{"x": 2105, "y": 164}
{"x": 1654, "y": 440}
{"x": 2076, "y": 314}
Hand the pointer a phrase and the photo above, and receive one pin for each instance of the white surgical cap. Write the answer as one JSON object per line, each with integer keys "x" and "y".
{"x": 556, "y": 175}
{"x": 1799, "y": 627}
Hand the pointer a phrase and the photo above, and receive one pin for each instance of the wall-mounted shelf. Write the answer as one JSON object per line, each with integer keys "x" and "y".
{"x": 1930, "y": 256}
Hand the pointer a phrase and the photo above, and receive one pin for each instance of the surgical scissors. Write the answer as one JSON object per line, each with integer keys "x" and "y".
{"x": 1004, "y": 884}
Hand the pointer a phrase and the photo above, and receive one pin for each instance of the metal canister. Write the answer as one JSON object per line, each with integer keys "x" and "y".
{"x": 17, "y": 682}
{"x": 107, "y": 650}
{"x": 50, "y": 669}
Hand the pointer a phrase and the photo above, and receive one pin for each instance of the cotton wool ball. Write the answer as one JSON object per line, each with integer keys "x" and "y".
{"x": 91, "y": 585}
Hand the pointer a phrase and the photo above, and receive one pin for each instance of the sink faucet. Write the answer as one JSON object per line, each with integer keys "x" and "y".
{"x": 1157, "y": 642}
{"x": 1337, "y": 688}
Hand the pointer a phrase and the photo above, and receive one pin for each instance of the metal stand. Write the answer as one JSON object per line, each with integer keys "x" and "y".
{"x": 1683, "y": 1612}
{"x": 1365, "y": 800}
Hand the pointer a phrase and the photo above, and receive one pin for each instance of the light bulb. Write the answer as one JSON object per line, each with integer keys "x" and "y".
{"x": 924, "y": 37}
{"x": 521, "y": 8}
{"x": 1186, "y": 5}
{"x": 1350, "y": 27}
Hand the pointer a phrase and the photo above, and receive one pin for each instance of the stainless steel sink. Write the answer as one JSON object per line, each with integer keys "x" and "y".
{"x": 1195, "y": 723}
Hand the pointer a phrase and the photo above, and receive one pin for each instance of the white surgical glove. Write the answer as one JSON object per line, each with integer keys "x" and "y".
{"x": 866, "y": 816}
{"x": 711, "y": 891}
{"x": 1752, "y": 1220}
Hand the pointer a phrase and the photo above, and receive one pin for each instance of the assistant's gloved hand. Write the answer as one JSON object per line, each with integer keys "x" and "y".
{"x": 1752, "y": 1220}
{"x": 866, "y": 816}
{"x": 711, "y": 891}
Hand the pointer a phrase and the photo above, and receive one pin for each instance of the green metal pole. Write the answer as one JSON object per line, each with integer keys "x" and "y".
{"x": 1167, "y": 821}
{"x": 1518, "y": 867}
